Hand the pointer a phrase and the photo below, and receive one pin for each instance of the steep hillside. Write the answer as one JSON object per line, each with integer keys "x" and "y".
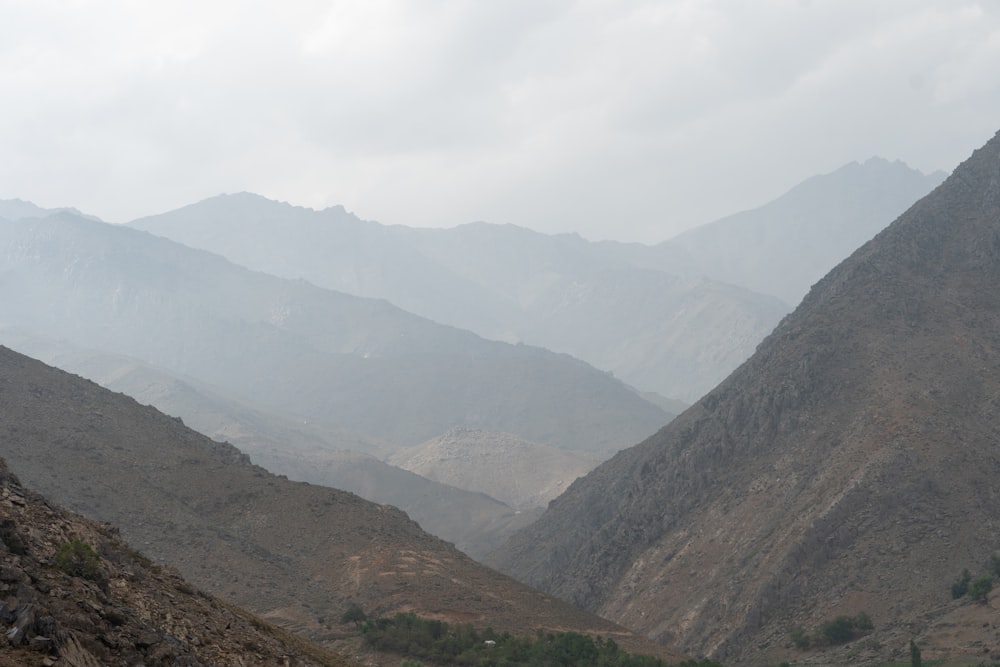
{"x": 660, "y": 333}
{"x": 785, "y": 246}
{"x": 522, "y": 474}
{"x": 473, "y": 521}
{"x": 850, "y": 465}
{"x": 294, "y": 553}
{"x": 358, "y": 364}
{"x": 76, "y": 594}
{"x": 284, "y": 445}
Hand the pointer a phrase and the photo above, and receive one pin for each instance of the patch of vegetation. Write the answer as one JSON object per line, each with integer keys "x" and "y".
{"x": 961, "y": 585}
{"x": 354, "y": 614}
{"x": 981, "y": 587}
{"x": 836, "y": 631}
{"x": 418, "y": 639}
{"x": 993, "y": 567}
{"x": 78, "y": 559}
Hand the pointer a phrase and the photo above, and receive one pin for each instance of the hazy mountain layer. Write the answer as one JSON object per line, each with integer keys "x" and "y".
{"x": 674, "y": 318}
{"x": 522, "y": 474}
{"x": 357, "y": 364}
{"x": 785, "y": 246}
{"x": 850, "y": 465}
{"x": 295, "y": 553}
{"x": 654, "y": 330}
{"x": 303, "y": 452}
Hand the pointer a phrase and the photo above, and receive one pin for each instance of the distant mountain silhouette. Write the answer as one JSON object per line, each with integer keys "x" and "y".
{"x": 849, "y": 466}
{"x": 785, "y": 246}
{"x": 358, "y": 364}
{"x": 674, "y": 318}
{"x": 294, "y": 553}
{"x": 654, "y": 330}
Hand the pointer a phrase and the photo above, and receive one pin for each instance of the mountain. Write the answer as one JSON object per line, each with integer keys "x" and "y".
{"x": 656, "y": 331}
{"x": 76, "y": 594}
{"x": 785, "y": 246}
{"x": 356, "y": 364}
{"x": 294, "y": 553}
{"x": 848, "y": 466}
{"x": 517, "y": 472}
{"x": 675, "y": 318}
{"x": 16, "y": 209}
{"x": 284, "y": 445}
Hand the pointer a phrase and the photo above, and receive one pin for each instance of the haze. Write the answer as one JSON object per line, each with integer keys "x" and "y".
{"x": 626, "y": 120}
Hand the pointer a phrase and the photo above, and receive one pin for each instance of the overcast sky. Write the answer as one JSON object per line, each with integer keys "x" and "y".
{"x": 623, "y": 119}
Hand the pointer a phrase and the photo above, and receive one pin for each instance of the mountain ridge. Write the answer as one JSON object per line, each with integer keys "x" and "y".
{"x": 363, "y": 364}
{"x": 294, "y": 553}
{"x": 854, "y": 450}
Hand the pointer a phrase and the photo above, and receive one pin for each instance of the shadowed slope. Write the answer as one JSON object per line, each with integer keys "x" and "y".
{"x": 849, "y": 465}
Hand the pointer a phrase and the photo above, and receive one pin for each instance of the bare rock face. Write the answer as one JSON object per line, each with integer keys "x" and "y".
{"x": 73, "y": 593}
{"x": 850, "y": 465}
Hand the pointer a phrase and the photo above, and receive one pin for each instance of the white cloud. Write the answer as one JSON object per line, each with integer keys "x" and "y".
{"x": 622, "y": 119}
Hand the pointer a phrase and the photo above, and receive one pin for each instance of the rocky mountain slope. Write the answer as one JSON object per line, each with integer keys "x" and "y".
{"x": 357, "y": 364}
{"x": 75, "y": 594}
{"x": 284, "y": 445}
{"x": 850, "y": 465}
{"x": 522, "y": 474}
{"x": 296, "y": 554}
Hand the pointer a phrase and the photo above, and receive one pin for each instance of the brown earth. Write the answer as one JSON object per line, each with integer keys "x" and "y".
{"x": 123, "y": 609}
{"x": 294, "y": 553}
{"x": 850, "y": 465}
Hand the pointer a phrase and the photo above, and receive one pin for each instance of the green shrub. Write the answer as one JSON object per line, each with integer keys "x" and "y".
{"x": 914, "y": 654}
{"x": 799, "y": 638}
{"x": 78, "y": 559}
{"x": 837, "y": 631}
{"x": 961, "y": 585}
{"x": 354, "y": 614}
{"x": 981, "y": 587}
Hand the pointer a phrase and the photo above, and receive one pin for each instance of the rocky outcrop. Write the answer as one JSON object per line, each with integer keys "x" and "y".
{"x": 73, "y": 593}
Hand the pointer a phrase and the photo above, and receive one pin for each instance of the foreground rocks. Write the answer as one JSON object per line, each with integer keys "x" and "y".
{"x": 72, "y": 593}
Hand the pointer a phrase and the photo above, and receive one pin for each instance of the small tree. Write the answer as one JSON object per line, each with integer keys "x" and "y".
{"x": 914, "y": 654}
{"x": 961, "y": 585}
{"x": 994, "y": 565}
{"x": 354, "y": 614}
{"x": 799, "y": 637}
{"x": 981, "y": 587}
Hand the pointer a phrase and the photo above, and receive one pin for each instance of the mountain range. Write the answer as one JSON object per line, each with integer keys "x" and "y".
{"x": 848, "y": 467}
{"x": 358, "y": 364}
{"x": 674, "y": 318}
